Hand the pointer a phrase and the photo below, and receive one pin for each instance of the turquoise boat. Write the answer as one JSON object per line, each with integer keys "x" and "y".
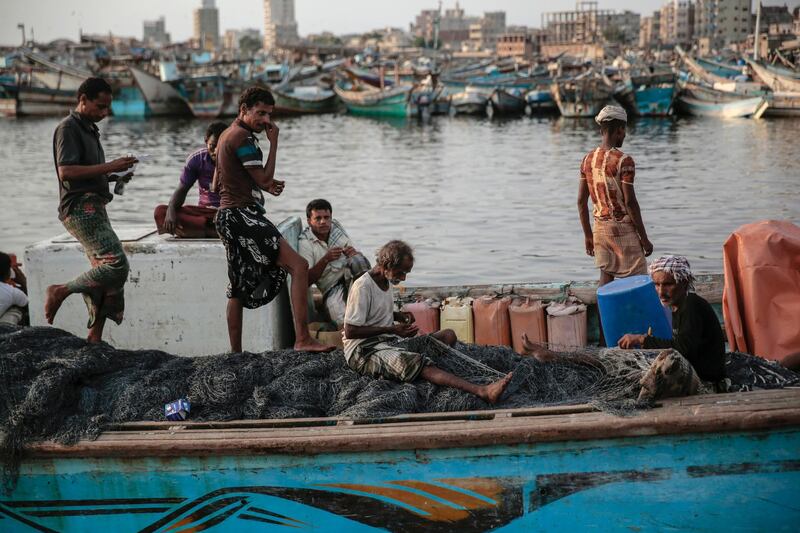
{"x": 713, "y": 462}
{"x": 366, "y": 101}
{"x": 129, "y": 103}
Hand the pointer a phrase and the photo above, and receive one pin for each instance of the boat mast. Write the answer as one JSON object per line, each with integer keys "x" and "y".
{"x": 756, "y": 36}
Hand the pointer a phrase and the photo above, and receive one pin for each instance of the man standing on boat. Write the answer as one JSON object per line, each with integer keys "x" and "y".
{"x": 375, "y": 345}
{"x": 618, "y": 241}
{"x": 329, "y": 251}
{"x": 258, "y": 256}
{"x": 83, "y": 190}
{"x": 194, "y": 221}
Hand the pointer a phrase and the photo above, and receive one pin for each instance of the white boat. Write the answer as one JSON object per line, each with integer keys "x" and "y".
{"x": 161, "y": 97}
{"x": 746, "y": 107}
{"x": 471, "y": 101}
{"x": 777, "y": 82}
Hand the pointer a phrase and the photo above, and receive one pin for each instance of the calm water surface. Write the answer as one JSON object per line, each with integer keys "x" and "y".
{"x": 481, "y": 201}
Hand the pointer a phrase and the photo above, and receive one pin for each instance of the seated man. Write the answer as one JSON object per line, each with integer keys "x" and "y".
{"x": 328, "y": 249}
{"x": 696, "y": 332}
{"x": 194, "y": 221}
{"x": 13, "y": 297}
{"x": 373, "y": 343}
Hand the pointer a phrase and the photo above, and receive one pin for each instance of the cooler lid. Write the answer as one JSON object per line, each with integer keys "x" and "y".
{"x": 624, "y": 285}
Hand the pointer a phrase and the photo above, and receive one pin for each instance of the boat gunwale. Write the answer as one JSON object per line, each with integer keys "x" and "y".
{"x": 694, "y": 415}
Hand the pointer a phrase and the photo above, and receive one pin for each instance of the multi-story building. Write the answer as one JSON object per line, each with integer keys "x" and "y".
{"x": 516, "y": 44}
{"x": 585, "y": 25}
{"x": 206, "y": 26}
{"x": 776, "y": 21}
{"x": 155, "y": 33}
{"x": 625, "y": 25}
{"x": 233, "y": 38}
{"x": 453, "y": 26}
{"x": 650, "y": 29}
{"x": 677, "y": 22}
{"x": 722, "y": 22}
{"x": 280, "y": 26}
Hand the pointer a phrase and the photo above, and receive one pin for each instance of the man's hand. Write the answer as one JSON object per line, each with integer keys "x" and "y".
{"x": 121, "y": 164}
{"x": 631, "y": 340}
{"x": 405, "y": 330}
{"x": 405, "y": 317}
{"x": 350, "y": 251}
{"x": 647, "y": 246}
{"x": 333, "y": 254}
{"x": 588, "y": 242}
{"x": 276, "y": 187}
{"x": 170, "y": 220}
{"x": 272, "y": 132}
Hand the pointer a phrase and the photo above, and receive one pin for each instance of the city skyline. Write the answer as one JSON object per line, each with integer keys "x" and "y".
{"x": 52, "y": 19}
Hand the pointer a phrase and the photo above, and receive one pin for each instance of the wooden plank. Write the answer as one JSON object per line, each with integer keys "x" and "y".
{"x": 777, "y": 410}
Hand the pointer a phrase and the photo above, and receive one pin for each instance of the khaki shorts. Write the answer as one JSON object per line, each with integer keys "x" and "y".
{"x": 617, "y": 249}
{"x": 388, "y": 356}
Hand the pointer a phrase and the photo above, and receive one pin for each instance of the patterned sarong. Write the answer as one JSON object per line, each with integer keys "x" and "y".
{"x": 618, "y": 249}
{"x": 252, "y": 244}
{"x": 102, "y": 286}
{"x": 390, "y": 357}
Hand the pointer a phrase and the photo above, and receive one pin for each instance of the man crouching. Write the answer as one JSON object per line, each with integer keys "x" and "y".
{"x": 373, "y": 343}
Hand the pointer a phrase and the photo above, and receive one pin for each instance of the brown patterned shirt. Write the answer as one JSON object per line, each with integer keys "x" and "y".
{"x": 605, "y": 171}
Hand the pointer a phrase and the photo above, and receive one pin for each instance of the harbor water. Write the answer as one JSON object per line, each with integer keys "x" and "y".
{"x": 481, "y": 201}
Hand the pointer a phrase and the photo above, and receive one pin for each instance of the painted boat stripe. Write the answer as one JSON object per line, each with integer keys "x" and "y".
{"x": 276, "y": 515}
{"x": 384, "y": 499}
{"x": 265, "y": 520}
{"x": 422, "y": 492}
{"x": 88, "y": 512}
{"x": 462, "y": 490}
{"x": 76, "y": 503}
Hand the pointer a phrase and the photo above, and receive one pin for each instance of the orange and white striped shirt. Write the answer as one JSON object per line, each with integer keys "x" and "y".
{"x": 605, "y": 171}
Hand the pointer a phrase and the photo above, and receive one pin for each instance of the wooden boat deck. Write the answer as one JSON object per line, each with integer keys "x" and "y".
{"x": 716, "y": 413}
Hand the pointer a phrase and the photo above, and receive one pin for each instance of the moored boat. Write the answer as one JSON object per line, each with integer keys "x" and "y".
{"x": 506, "y": 101}
{"x": 539, "y": 101}
{"x": 723, "y": 108}
{"x": 162, "y": 98}
{"x": 369, "y": 101}
{"x": 776, "y": 81}
{"x": 581, "y": 97}
{"x": 301, "y": 100}
{"x": 471, "y": 101}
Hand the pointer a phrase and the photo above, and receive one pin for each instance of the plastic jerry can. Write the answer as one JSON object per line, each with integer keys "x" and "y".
{"x": 457, "y": 315}
{"x": 492, "y": 323}
{"x": 527, "y": 317}
{"x": 426, "y": 315}
{"x": 566, "y": 325}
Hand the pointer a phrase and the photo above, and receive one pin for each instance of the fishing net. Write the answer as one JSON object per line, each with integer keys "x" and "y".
{"x": 55, "y": 386}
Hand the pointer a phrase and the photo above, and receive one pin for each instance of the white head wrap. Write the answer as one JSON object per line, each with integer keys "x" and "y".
{"x": 675, "y": 265}
{"x": 611, "y": 112}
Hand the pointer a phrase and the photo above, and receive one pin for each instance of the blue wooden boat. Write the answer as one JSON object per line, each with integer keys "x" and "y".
{"x": 539, "y": 101}
{"x": 649, "y": 95}
{"x": 709, "y": 463}
{"x": 129, "y": 103}
{"x": 728, "y": 70}
{"x": 581, "y": 97}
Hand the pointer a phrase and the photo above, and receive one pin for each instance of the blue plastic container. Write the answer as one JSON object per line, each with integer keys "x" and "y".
{"x": 631, "y": 305}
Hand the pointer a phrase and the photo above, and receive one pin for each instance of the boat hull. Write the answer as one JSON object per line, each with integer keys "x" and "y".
{"x": 35, "y": 101}
{"x": 654, "y": 101}
{"x": 130, "y": 103}
{"x": 505, "y": 103}
{"x": 732, "y": 109}
{"x": 286, "y": 104}
{"x": 391, "y": 103}
{"x": 162, "y": 99}
{"x": 476, "y": 471}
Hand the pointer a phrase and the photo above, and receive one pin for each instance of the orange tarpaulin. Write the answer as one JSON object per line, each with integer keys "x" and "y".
{"x": 761, "y": 300}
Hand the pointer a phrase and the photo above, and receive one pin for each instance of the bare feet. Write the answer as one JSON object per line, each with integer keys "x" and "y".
{"x": 539, "y": 352}
{"x": 492, "y": 392}
{"x": 312, "y": 345}
{"x": 54, "y": 297}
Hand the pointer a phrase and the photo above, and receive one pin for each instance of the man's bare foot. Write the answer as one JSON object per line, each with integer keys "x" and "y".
{"x": 312, "y": 345}
{"x": 539, "y": 352}
{"x": 492, "y": 392}
{"x": 54, "y": 297}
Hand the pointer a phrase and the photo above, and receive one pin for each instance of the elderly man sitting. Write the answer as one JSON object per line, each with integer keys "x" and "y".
{"x": 696, "y": 332}
{"x": 669, "y": 367}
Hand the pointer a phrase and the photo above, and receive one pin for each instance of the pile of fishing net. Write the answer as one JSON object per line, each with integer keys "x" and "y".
{"x": 55, "y": 386}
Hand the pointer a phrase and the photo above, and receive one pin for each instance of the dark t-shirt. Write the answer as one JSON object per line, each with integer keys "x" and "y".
{"x": 697, "y": 335}
{"x": 238, "y": 150}
{"x": 76, "y": 141}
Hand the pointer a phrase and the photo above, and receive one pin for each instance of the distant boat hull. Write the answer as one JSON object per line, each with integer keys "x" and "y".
{"x": 654, "y": 101}
{"x": 732, "y": 109}
{"x": 388, "y": 103}
{"x": 503, "y": 102}
{"x": 294, "y": 102}
{"x": 162, "y": 99}
{"x": 539, "y": 101}
{"x": 776, "y": 81}
{"x": 129, "y": 102}
{"x": 471, "y": 101}
{"x": 36, "y": 101}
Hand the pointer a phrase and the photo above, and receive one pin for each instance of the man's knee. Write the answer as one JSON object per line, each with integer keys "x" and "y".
{"x": 447, "y": 336}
